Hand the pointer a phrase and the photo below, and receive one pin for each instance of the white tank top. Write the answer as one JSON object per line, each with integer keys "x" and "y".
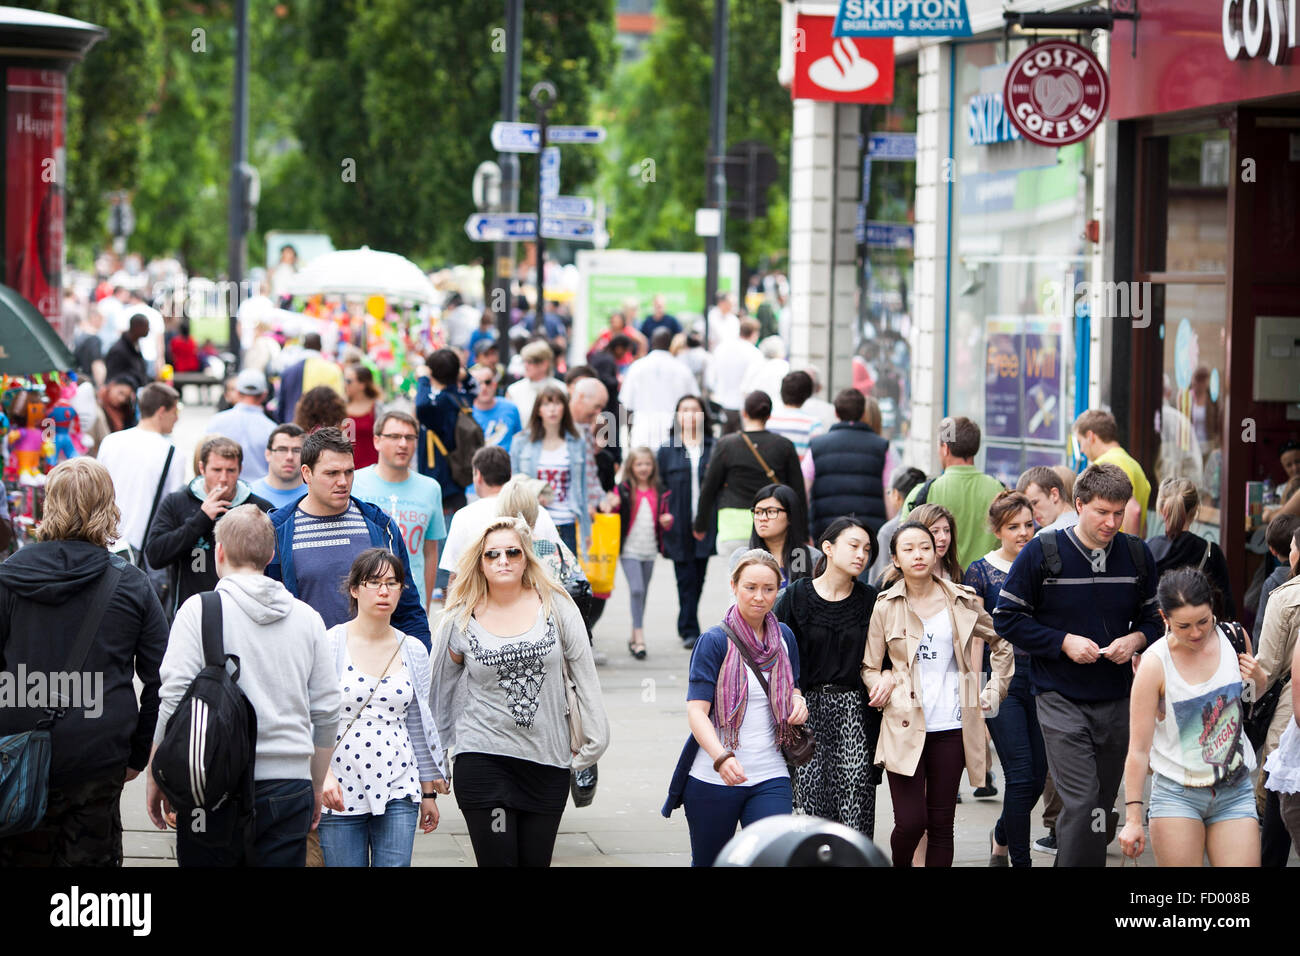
{"x": 1200, "y": 740}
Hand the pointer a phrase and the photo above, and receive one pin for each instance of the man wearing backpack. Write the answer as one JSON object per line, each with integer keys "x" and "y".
{"x": 450, "y": 435}
{"x": 286, "y": 671}
{"x": 1082, "y": 602}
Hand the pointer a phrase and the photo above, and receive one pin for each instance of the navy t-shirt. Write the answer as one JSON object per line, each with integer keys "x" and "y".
{"x": 323, "y": 552}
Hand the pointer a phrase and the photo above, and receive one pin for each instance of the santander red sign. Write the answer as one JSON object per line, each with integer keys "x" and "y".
{"x": 1056, "y": 93}
{"x": 840, "y": 69}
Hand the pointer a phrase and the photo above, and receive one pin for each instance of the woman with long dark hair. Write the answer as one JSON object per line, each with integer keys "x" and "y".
{"x": 828, "y": 615}
{"x": 362, "y": 396}
{"x": 683, "y": 462}
{"x": 781, "y": 529}
{"x": 551, "y": 449}
{"x": 1186, "y": 724}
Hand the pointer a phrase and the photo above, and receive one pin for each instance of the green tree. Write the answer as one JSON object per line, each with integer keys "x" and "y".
{"x": 658, "y": 110}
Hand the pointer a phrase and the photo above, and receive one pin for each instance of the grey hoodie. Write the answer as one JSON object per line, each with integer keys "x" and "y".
{"x": 286, "y": 670}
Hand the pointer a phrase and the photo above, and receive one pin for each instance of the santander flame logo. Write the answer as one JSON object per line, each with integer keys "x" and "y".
{"x": 845, "y": 70}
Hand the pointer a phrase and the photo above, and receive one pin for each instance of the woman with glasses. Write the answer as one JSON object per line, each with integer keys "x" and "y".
{"x": 781, "y": 529}
{"x": 508, "y": 640}
{"x": 388, "y": 765}
{"x": 362, "y": 395}
{"x": 551, "y": 449}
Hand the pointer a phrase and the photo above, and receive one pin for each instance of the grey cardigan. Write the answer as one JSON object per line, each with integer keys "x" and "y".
{"x": 430, "y": 758}
{"x": 507, "y": 698}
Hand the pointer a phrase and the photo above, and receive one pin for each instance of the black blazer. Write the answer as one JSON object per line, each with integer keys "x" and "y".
{"x": 679, "y": 543}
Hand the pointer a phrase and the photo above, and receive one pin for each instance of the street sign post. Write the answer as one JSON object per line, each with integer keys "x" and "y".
{"x": 589, "y": 135}
{"x": 516, "y": 137}
{"x": 501, "y": 226}
{"x": 577, "y": 207}
{"x": 556, "y": 227}
{"x": 550, "y": 172}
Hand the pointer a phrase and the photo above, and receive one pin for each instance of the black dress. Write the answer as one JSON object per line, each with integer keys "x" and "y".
{"x": 839, "y": 783}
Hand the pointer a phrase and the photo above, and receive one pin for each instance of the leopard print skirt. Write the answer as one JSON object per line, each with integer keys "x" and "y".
{"x": 839, "y": 783}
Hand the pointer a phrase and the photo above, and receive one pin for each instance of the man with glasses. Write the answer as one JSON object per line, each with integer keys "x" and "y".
{"x": 282, "y": 485}
{"x": 317, "y": 539}
{"x": 498, "y": 417}
{"x": 413, "y": 500}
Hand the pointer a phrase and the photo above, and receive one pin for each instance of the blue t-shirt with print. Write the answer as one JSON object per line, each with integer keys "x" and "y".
{"x": 500, "y": 423}
{"x": 415, "y": 504}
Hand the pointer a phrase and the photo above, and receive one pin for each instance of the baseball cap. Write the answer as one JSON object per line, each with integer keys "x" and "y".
{"x": 251, "y": 382}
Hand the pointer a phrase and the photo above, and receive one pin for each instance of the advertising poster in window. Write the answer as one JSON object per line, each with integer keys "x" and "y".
{"x": 1023, "y": 386}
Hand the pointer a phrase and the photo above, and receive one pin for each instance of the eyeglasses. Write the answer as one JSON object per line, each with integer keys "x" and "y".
{"x": 512, "y": 554}
{"x": 398, "y": 436}
{"x": 768, "y": 512}
{"x": 285, "y": 450}
{"x": 373, "y": 585}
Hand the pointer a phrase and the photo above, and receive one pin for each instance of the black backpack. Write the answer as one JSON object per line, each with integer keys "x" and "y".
{"x": 207, "y": 753}
{"x": 467, "y": 438}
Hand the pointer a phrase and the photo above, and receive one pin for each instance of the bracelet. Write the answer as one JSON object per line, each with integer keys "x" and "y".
{"x": 717, "y": 764}
{"x": 1131, "y": 802}
{"x": 428, "y": 796}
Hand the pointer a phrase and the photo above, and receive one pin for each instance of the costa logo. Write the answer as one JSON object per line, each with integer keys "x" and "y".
{"x": 1056, "y": 93}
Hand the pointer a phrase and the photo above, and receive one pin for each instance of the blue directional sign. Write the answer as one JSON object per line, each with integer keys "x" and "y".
{"x": 575, "y": 134}
{"x": 578, "y": 207}
{"x": 554, "y": 227}
{"x": 516, "y": 137}
{"x": 501, "y": 226}
{"x": 550, "y": 171}
{"x": 902, "y": 18}
{"x": 890, "y": 235}
{"x": 892, "y": 146}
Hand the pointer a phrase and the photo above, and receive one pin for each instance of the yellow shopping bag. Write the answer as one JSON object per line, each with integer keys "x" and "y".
{"x": 599, "y": 556}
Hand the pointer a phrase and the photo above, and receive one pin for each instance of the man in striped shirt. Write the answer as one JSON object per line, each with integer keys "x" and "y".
{"x": 790, "y": 419}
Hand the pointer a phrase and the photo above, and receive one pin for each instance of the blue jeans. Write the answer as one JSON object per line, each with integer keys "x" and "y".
{"x": 282, "y": 819}
{"x": 368, "y": 839}
{"x": 712, "y": 812}
{"x": 1019, "y": 743}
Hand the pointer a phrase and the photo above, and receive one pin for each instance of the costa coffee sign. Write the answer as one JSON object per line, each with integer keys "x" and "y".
{"x": 1254, "y": 26}
{"x": 1056, "y": 93}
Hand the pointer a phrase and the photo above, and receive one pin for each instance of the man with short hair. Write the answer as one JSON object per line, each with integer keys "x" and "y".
{"x": 818, "y": 406}
{"x": 88, "y": 350}
{"x": 962, "y": 489}
{"x": 659, "y": 319}
{"x": 282, "y": 484}
{"x": 651, "y": 389}
{"x": 537, "y": 358}
{"x": 724, "y": 324}
{"x": 1080, "y": 604}
{"x": 413, "y": 500}
{"x": 308, "y": 372}
{"x": 318, "y": 538}
{"x": 124, "y": 359}
{"x": 845, "y": 469}
{"x": 181, "y": 537}
{"x": 135, "y": 457}
{"x": 246, "y": 422}
{"x": 1097, "y": 435}
{"x": 438, "y": 407}
{"x": 498, "y": 417}
{"x": 728, "y": 367}
{"x": 790, "y": 419}
{"x": 1047, "y": 494}
{"x": 491, "y": 472}
{"x": 288, "y": 674}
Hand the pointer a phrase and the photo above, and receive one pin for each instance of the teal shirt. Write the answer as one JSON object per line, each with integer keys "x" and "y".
{"x": 415, "y": 504}
{"x": 967, "y": 492}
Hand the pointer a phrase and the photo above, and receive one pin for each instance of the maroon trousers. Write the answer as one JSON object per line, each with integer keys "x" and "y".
{"x": 926, "y": 802}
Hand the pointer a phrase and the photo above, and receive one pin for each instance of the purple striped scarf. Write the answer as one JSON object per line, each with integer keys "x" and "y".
{"x": 732, "y": 691}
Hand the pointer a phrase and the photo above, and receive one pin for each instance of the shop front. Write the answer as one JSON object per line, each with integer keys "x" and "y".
{"x": 1207, "y": 200}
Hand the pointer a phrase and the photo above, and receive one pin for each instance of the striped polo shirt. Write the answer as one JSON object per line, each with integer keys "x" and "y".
{"x": 323, "y": 551}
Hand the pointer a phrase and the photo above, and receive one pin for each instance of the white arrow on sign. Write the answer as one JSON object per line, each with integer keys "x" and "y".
{"x": 575, "y": 134}
{"x": 554, "y": 227}
{"x": 516, "y": 137}
{"x": 579, "y": 207}
{"x": 501, "y": 226}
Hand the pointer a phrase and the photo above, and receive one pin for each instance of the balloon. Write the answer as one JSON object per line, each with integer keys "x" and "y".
{"x": 376, "y": 306}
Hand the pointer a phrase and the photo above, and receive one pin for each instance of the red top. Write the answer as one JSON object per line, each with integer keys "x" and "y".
{"x": 364, "y": 452}
{"x": 185, "y": 355}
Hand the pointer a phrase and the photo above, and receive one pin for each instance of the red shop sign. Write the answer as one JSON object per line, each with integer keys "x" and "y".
{"x": 1056, "y": 93}
{"x": 840, "y": 69}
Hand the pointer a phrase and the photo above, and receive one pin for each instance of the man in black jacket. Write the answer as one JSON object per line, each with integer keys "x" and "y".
{"x": 181, "y": 537}
{"x": 47, "y": 590}
{"x": 124, "y": 358}
{"x": 847, "y": 469}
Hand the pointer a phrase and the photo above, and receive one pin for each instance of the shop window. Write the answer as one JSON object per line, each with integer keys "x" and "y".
{"x": 1186, "y": 202}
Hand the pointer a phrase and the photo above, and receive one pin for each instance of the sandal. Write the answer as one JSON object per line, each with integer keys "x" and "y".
{"x": 635, "y": 651}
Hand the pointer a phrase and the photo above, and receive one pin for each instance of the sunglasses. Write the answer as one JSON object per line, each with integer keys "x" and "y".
{"x": 512, "y": 554}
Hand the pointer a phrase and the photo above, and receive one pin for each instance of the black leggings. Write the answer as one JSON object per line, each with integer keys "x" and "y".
{"x": 926, "y": 802}
{"x": 505, "y": 837}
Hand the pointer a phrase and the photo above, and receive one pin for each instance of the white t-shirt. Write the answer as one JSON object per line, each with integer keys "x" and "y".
{"x": 651, "y": 390}
{"x": 134, "y": 459}
{"x": 756, "y": 750}
{"x": 553, "y": 468}
{"x": 937, "y": 668}
{"x": 523, "y": 393}
{"x": 468, "y": 523}
{"x": 693, "y": 453}
{"x": 731, "y": 361}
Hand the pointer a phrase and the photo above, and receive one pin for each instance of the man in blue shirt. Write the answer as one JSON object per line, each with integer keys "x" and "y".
{"x": 246, "y": 422}
{"x": 1082, "y": 602}
{"x": 659, "y": 319}
{"x": 317, "y": 539}
{"x": 410, "y": 499}
{"x": 498, "y": 417}
{"x": 282, "y": 484}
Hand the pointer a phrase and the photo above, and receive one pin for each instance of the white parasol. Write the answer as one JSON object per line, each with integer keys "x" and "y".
{"x": 364, "y": 272}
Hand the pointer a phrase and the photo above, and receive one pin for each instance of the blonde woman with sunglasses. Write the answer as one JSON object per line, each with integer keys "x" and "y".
{"x": 508, "y": 634}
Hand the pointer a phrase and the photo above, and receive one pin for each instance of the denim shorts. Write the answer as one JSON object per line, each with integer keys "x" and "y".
{"x": 1209, "y": 804}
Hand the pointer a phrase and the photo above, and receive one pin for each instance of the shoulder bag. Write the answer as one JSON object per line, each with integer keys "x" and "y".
{"x": 802, "y": 745}
{"x": 25, "y": 757}
{"x": 1257, "y": 714}
{"x": 771, "y": 475}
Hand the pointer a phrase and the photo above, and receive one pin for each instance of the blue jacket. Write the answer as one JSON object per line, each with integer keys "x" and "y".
{"x": 437, "y": 414}
{"x": 706, "y": 663}
{"x": 679, "y": 543}
{"x": 524, "y": 455}
{"x": 409, "y": 618}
